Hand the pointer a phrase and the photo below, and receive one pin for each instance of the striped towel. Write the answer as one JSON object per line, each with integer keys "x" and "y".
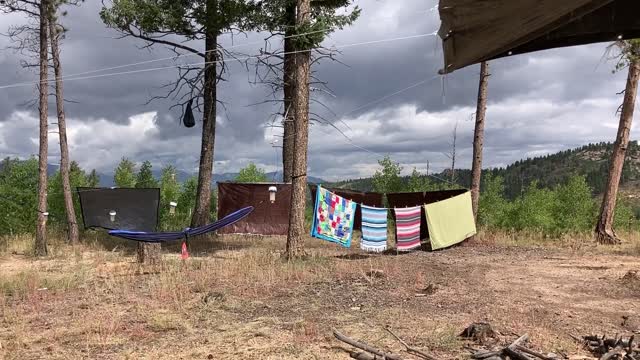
{"x": 408, "y": 228}
{"x": 374, "y": 229}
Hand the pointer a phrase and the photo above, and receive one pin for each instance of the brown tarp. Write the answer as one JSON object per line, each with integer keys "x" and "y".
{"x": 365, "y": 198}
{"x": 401, "y": 200}
{"x": 474, "y": 31}
{"x": 266, "y": 218}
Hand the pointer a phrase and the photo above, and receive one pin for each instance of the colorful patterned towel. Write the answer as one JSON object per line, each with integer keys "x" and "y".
{"x": 333, "y": 218}
{"x": 408, "y": 228}
{"x": 374, "y": 229}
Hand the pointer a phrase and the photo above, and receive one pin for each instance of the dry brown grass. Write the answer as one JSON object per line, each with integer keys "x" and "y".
{"x": 578, "y": 242}
{"x": 237, "y": 298}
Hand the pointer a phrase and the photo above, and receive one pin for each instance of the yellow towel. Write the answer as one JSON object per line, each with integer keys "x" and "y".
{"x": 450, "y": 221}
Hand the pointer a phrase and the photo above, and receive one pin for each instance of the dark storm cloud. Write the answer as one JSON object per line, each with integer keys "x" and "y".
{"x": 538, "y": 103}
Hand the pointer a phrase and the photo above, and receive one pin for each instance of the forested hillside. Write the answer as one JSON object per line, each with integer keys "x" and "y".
{"x": 590, "y": 161}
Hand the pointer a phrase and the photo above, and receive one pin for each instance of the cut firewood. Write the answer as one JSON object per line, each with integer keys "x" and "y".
{"x": 616, "y": 348}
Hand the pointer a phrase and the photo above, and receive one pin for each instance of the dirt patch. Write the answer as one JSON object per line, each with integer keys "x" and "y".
{"x": 631, "y": 280}
{"x": 243, "y": 301}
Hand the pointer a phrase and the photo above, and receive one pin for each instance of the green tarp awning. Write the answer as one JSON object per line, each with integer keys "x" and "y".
{"x": 477, "y": 30}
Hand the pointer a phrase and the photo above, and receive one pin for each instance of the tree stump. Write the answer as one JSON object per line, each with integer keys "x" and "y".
{"x": 479, "y": 332}
{"x": 148, "y": 253}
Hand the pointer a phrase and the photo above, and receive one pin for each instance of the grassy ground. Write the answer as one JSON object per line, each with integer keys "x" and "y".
{"x": 235, "y": 298}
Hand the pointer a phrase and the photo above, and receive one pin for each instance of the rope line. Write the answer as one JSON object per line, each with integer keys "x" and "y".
{"x": 129, "y": 72}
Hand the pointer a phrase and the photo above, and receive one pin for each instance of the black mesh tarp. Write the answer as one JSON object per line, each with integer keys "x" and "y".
{"x": 136, "y": 209}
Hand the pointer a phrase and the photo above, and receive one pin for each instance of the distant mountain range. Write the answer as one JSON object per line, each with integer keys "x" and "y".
{"x": 106, "y": 179}
{"x": 590, "y": 161}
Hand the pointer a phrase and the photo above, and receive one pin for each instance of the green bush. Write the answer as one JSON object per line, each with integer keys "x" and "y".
{"x": 18, "y": 196}
{"x": 492, "y": 207}
{"x": 55, "y": 199}
{"x": 534, "y": 210}
{"x": 575, "y": 207}
{"x": 387, "y": 179}
{"x": 251, "y": 174}
{"x": 623, "y": 216}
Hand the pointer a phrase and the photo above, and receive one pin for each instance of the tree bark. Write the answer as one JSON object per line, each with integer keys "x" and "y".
{"x": 148, "y": 253}
{"x": 201, "y": 213}
{"x": 453, "y": 154}
{"x": 604, "y": 228}
{"x": 295, "y": 238}
{"x": 62, "y": 131}
{"x": 288, "y": 94}
{"x": 41, "y": 224}
{"x": 478, "y": 137}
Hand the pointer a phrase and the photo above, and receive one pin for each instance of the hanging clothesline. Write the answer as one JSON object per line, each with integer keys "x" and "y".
{"x": 450, "y": 221}
{"x": 205, "y": 63}
{"x": 260, "y": 42}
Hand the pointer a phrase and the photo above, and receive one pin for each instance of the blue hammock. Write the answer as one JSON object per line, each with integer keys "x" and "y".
{"x": 158, "y": 237}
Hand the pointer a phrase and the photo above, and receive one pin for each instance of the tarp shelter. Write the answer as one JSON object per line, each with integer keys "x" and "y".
{"x": 365, "y": 198}
{"x": 401, "y": 200}
{"x": 266, "y": 218}
{"x": 473, "y": 31}
{"x": 135, "y": 209}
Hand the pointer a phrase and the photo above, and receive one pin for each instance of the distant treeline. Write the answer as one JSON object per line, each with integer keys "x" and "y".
{"x": 590, "y": 161}
{"x": 566, "y": 205}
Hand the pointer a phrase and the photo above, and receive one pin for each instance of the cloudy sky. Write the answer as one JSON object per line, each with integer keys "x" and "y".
{"x": 538, "y": 103}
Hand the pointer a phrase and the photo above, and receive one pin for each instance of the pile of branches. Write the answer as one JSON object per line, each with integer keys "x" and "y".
{"x": 611, "y": 348}
{"x": 371, "y": 353}
{"x": 515, "y": 351}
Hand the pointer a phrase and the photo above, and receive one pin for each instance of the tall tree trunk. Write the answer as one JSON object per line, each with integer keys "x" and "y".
{"x": 302, "y": 62}
{"x": 453, "y": 154}
{"x": 201, "y": 213}
{"x": 41, "y": 225}
{"x": 604, "y": 228}
{"x": 62, "y": 131}
{"x": 288, "y": 94}
{"x": 478, "y": 137}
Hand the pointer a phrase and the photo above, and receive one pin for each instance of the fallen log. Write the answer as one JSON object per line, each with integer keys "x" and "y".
{"x": 511, "y": 349}
{"x": 534, "y": 353}
{"x": 364, "y": 356}
{"x": 362, "y": 346}
{"x": 410, "y": 349}
{"x": 485, "y": 355}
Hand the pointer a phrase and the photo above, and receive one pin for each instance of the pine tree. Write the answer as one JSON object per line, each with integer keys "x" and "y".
{"x": 145, "y": 178}
{"x": 387, "y": 179}
{"x": 93, "y": 180}
{"x": 279, "y": 18}
{"x": 251, "y": 174}
{"x": 629, "y": 57}
{"x": 187, "y": 22}
{"x": 124, "y": 175}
